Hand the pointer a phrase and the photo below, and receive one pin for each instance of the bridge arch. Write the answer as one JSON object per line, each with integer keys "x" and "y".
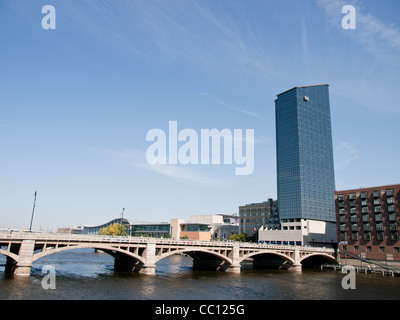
{"x": 270, "y": 252}
{"x": 107, "y": 249}
{"x": 11, "y": 255}
{"x": 203, "y": 259}
{"x": 193, "y": 250}
{"x": 269, "y": 259}
{"x": 316, "y": 259}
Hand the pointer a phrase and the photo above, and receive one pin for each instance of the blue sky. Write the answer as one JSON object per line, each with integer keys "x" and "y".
{"x": 77, "y": 102}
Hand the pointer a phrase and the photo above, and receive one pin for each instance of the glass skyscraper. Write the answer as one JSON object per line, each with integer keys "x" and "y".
{"x": 305, "y": 169}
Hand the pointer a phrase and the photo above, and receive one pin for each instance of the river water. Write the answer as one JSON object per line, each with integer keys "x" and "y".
{"x": 83, "y": 274}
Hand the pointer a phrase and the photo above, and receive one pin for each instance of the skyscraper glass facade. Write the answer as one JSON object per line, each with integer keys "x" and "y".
{"x": 305, "y": 169}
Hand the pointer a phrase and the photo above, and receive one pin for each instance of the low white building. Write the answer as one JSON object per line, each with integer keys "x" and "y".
{"x": 301, "y": 232}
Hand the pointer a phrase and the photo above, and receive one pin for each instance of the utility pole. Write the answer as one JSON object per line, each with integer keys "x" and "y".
{"x": 33, "y": 211}
{"x": 122, "y": 218}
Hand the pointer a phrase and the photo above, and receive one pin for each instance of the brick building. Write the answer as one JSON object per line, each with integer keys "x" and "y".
{"x": 368, "y": 222}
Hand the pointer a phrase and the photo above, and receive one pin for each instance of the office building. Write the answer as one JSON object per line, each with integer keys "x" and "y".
{"x": 200, "y": 227}
{"x": 155, "y": 230}
{"x": 253, "y": 216}
{"x": 94, "y": 229}
{"x": 368, "y": 222}
{"x": 305, "y": 169}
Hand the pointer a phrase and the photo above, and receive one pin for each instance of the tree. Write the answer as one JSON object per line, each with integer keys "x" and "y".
{"x": 115, "y": 229}
{"x": 238, "y": 237}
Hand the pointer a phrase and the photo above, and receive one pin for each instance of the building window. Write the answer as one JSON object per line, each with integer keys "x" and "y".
{"x": 364, "y": 202}
{"x": 381, "y": 249}
{"x": 340, "y": 197}
{"x": 390, "y": 200}
{"x": 376, "y": 194}
{"x": 394, "y": 236}
{"x": 396, "y": 249}
{"x": 380, "y": 236}
{"x": 363, "y": 195}
{"x": 352, "y": 196}
{"x": 389, "y": 193}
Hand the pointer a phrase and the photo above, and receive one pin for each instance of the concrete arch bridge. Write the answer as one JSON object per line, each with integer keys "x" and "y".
{"x": 142, "y": 254}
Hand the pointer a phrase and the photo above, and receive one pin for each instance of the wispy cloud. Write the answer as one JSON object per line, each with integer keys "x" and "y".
{"x": 223, "y": 103}
{"x": 344, "y": 155}
{"x": 373, "y": 35}
{"x": 136, "y": 159}
{"x": 200, "y": 33}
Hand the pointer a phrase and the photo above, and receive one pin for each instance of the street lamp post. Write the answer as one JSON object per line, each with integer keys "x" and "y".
{"x": 33, "y": 211}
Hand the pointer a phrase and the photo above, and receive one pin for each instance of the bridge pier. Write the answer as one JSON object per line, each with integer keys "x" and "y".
{"x": 126, "y": 263}
{"x": 149, "y": 270}
{"x": 296, "y": 267}
{"x": 149, "y": 256}
{"x": 233, "y": 269}
{"x": 235, "y": 266}
{"x": 24, "y": 264}
{"x": 23, "y": 270}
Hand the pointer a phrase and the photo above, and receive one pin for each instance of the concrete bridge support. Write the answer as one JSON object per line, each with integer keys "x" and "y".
{"x": 149, "y": 256}
{"x": 126, "y": 263}
{"x": 297, "y": 262}
{"x": 235, "y": 256}
{"x": 24, "y": 264}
